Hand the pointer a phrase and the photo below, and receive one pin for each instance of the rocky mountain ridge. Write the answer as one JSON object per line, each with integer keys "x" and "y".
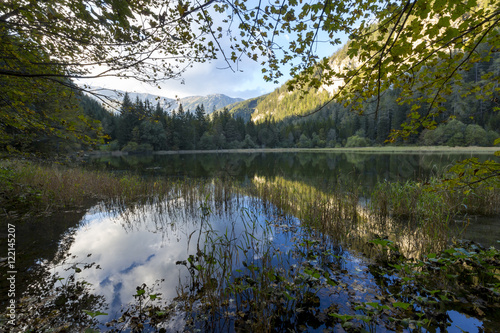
{"x": 210, "y": 102}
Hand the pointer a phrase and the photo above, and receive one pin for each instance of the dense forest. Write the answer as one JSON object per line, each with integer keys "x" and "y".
{"x": 280, "y": 120}
{"x": 450, "y": 85}
{"x": 468, "y": 117}
{"x": 141, "y": 126}
{"x": 40, "y": 117}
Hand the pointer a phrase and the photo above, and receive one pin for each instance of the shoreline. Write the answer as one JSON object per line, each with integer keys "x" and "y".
{"x": 372, "y": 150}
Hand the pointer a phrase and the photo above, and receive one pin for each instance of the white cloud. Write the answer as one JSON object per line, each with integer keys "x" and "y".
{"x": 246, "y": 81}
{"x": 201, "y": 80}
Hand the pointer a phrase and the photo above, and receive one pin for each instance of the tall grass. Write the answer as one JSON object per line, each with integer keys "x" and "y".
{"x": 417, "y": 202}
{"x": 28, "y": 186}
{"x": 269, "y": 294}
{"x": 422, "y": 215}
{"x": 244, "y": 282}
{"x": 241, "y": 280}
{"x": 416, "y": 216}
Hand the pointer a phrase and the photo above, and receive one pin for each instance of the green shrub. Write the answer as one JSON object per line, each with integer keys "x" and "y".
{"x": 356, "y": 141}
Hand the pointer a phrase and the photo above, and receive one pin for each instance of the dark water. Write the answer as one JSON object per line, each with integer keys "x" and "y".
{"x": 316, "y": 168}
{"x": 141, "y": 244}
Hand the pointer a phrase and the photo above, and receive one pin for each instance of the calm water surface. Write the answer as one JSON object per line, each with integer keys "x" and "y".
{"x": 133, "y": 245}
{"x": 365, "y": 168}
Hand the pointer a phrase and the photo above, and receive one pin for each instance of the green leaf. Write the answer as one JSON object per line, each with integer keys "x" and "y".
{"x": 331, "y": 282}
{"x": 373, "y": 304}
{"x": 343, "y": 318}
{"x": 401, "y": 305}
{"x": 94, "y": 314}
{"x": 287, "y": 295}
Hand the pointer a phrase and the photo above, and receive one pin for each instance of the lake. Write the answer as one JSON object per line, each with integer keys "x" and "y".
{"x": 267, "y": 238}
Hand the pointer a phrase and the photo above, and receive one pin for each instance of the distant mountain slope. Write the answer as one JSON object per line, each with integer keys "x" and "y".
{"x": 210, "y": 102}
{"x": 246, "y": 108}
{"x": 282, "y": 103}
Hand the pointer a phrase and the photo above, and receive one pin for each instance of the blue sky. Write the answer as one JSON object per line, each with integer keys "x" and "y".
{"x": 211, "y": 78}
{"x": 201, "y": 80}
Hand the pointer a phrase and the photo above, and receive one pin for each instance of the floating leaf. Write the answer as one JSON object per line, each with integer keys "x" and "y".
{"x": 94, "y": 314}
{"x": 401, "y": 305}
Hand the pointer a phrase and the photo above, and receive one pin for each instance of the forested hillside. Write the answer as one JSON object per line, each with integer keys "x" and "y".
{"x": 467, "y": 119}
{"x": 140, "y": 126}
{"x": 311, "y": 119}
{"x": 49, "y": 119}
{"x": 246, "y": 108}
{"x": 282, "y": 119}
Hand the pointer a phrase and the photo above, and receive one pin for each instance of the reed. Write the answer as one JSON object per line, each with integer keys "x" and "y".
{"x": 418, "y": 217}
{"x": 244, "y": 282}
{"x": 239, "y": 279}
{"x": 418, "y": 201}
{"x": 330, "y": 210}
{"x": 34, "y": 187}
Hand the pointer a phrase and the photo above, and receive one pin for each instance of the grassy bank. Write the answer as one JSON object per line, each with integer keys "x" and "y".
{"x": 35, "y": 188}
{"x": 371, "y": 150}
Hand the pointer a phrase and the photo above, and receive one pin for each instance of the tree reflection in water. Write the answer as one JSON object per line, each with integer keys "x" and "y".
{"x": 272, "y": 255}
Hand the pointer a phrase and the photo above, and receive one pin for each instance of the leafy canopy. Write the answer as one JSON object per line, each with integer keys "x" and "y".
{"x": 142, "y": 39}
{"x": 45, "y": 45}
{"x": 420, "y": 49}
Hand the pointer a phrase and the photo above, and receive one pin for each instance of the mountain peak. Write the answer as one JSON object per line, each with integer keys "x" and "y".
{"x": 210, "y": 102}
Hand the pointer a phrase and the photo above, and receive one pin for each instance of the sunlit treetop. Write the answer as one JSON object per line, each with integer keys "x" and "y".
{"x": 419, "y": 48}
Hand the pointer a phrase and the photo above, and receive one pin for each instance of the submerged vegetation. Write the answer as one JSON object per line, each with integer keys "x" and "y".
{"x": 269, "y": 254}
{"x": 43, "y": 188}
{"x": 313, "y": 284}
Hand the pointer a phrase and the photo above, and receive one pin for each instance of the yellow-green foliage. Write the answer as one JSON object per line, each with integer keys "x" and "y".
{"x": 312, "y": 206}
{"x": 417, "y": 202}
{"x": 282, "y": 103}
{"x": 32, "y": 186}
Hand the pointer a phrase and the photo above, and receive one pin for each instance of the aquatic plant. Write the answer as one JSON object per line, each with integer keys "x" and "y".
{"x": 280, "y": 290}
{"x": 418, "y": 202}
{"x": 56, "y": 303}
{"x": 242, "y": 278}
{"x": 464, "y": 276}
{"x": 35, "y": 188}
